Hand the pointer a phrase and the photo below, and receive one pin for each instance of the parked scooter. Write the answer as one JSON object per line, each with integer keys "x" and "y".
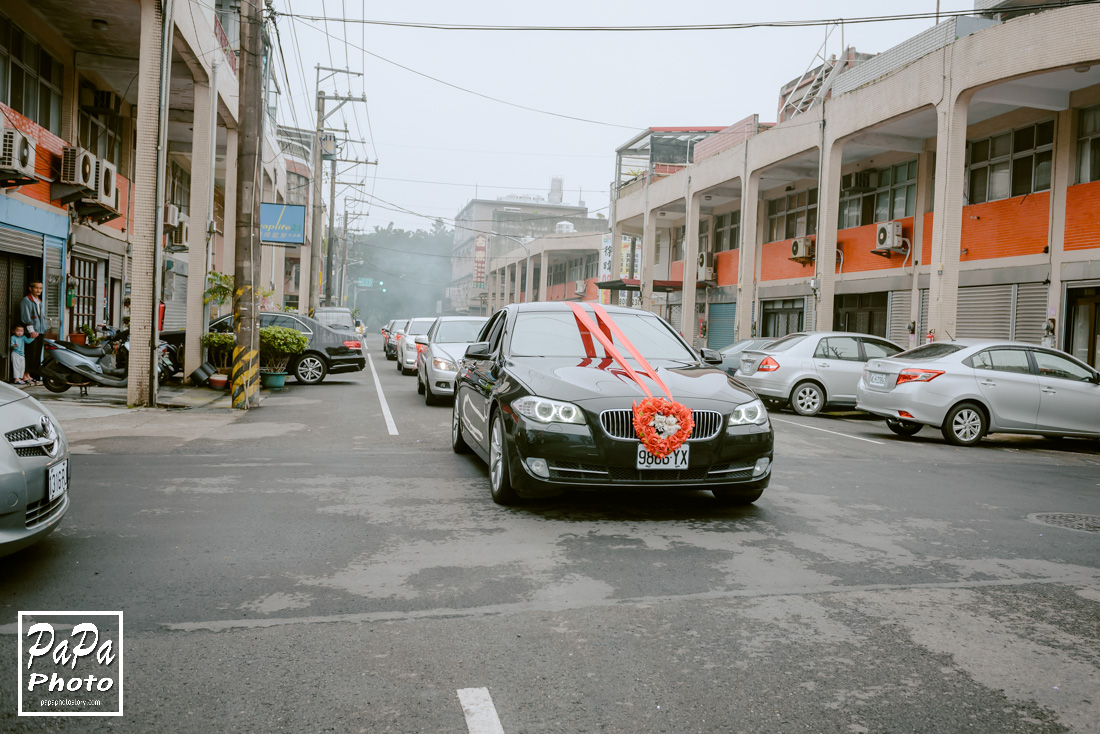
{"x": 67, "y": 364}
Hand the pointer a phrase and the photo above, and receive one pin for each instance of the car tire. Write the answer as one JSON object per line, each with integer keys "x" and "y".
{"x": 965, "y": 424}
{"x": 407, "y": 373}
{"x": 54, "y": 384}
{"x": 458, "y": 441}
{"x": 500, "y": 480}
{"x": 419, "y": 385}
{"x": 904, "y": 428}
{"x": 430, "y": 398}
{"x": 310, "y": 369}
{"x": 807, "y": 398}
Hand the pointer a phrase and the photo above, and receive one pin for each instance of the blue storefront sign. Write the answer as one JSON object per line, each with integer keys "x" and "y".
{"x": 282, "y": 224}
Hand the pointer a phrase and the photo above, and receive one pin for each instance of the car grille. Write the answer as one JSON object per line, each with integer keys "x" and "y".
{"x": 26, "y": 434}
{"x": 619, "y": 424}
{"x": 572, "y": 470}
{"x": 728, "y": 471}
{"x": 43, "y": 511}
{"x": 695, "y": 474}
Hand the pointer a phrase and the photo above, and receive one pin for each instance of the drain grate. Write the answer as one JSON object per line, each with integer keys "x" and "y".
{"x": 1068, "y": 520}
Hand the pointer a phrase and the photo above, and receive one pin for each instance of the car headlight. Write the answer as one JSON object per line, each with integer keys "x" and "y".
{"x": 548, "y": 411}
{"x": 444, "y": 365}
{"x": 748, "y": 414}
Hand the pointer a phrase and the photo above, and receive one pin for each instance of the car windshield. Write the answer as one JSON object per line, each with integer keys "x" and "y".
{"x": 399, "y": 324}
{"x": 557, "y": 334}
{"x": 929, "y": 351}
{"x": 785, "y": 343}
{"x": 341, "y": 318}
{"x": 453, "y": 332}
{"x": 419, "y": 326}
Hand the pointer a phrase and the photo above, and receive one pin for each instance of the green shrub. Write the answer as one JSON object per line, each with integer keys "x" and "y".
{"x": 277, "y": 345}
{"x": 219, "y": 348}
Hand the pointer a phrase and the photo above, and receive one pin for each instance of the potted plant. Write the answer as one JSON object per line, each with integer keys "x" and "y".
{"x": 91, "y": 338}
{"x": 219, "y": 348}
{"x": 277, "y": 345}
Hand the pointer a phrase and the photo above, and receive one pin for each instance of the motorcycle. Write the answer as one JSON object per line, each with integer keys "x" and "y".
{"x": 66, "y": 364}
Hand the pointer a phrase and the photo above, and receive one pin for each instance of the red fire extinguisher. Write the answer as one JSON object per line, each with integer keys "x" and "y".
{"x": 931, "y": 336}
{"x": 160, "y": 316}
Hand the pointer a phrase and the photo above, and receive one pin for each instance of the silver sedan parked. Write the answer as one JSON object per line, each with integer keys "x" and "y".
{"x": 34, "y": 471}
{"x": 970, "y": 387}
{"x": 731, "y": 355}
{"x": 407, "y": 348}
{"x": 810, "y": 370}
{"x": 443, "y": 347}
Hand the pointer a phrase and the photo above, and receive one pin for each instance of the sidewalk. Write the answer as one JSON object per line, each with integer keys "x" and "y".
{"x": 168, "y": 396}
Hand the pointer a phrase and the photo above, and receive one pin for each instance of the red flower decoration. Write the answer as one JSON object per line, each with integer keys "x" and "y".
{"x": 653, "y": 419}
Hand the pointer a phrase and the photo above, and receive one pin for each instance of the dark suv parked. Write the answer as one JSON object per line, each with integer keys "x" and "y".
{"x": 328, "y": 351}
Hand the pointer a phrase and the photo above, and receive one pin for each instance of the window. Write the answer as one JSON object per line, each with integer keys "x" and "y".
{"x": 555, "y": 334}
{"x": 30, "y": 78}
{"x": 1013, "y": 163}
{"x": 1088, "y": 146}
{"x": 793, "y": 215}
{"x": 727, "y": 231}
{"x": 677, "y": 244}
{"x": 894, "y": 195}
{"x": 297, "y": 189}
{"x": 876, "y": 349}
{"x": 83, "y": 310}
{"x": 1002, "y": 360}
{"x": 704, "y": 235}
{"x": 99, "y": 133}
{"x": 1052, "y": 365}
{"x": 591, "y": 266}
{"x": 838, "y": 347}
{"x": 179, "y": 187}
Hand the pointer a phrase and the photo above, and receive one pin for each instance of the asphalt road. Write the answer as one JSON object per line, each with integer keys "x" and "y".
{"x": 301, "y": 569}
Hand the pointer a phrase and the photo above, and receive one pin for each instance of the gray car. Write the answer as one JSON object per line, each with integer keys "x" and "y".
{"x": 810, "y": 370}
{"x": 731, "y": 355}
{"x": 970, "y": 387}
{"x": 34, "y": 461}
{"x": 444, "y": 345}
{"x": 407, "y": 348}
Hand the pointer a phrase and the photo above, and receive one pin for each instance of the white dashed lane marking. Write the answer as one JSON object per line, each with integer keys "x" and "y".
{"x": 835, "y": 433}
{"x": 481, "y": 715}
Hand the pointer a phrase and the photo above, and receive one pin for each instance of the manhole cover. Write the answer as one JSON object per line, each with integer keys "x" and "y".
{"x": 1070, "y": 521}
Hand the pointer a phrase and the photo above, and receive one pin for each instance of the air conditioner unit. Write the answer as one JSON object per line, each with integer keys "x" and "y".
{"x": 107, "y": 183}
{"x": 17, "y": 153}
{"x": 180, "y": 233}
{"x": 581, "y": 287}
{"x": 802, "y": 248}
{"x": 862, "y": 182}
{"x": 888, "y": 236}
{"x": 706, "y": 266}
{"x": 171, "y": 215}
{"x": 78, "y": 168}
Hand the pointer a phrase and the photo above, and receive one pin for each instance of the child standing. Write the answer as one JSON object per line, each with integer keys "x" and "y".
{"x": 18, "y": 356}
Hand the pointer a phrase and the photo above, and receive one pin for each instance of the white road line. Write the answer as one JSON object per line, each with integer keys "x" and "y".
{"x": 815, "y": 428}
{"x": 390, "y": 425}
{"x": 481, "y": 715}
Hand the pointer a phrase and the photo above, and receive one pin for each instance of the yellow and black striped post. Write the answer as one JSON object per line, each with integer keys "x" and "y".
{"x": 245, "y": 376}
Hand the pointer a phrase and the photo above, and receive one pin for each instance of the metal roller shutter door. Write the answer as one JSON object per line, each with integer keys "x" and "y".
{"x": 922, "y": 327}
{"x": 985, "y": 312}
{"x": 175, "y": 300}
{"x": 18, "y": 241}
{"x": 720, "y": 327}
{"x": 901, "y": 303}
{"x": 809, "y": 320}
{"x": 1031, "y": 312}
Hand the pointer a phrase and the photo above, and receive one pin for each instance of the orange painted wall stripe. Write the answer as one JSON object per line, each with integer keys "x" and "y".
{"x": 857, "y": 243}
{"x": 725, "y": 267}
{"x": 1083, "y": 216}
{"x": 776, "y": 264}
{"x": 1006, "y": 228}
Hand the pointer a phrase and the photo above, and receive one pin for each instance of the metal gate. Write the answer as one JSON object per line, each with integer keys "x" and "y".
{"x": 985, "y": 312}
{"x": 901, "y": 306}
{"x": 720, "y": 327}
{"x": 13, "y": 286}
{"x": 1031, "y": 312}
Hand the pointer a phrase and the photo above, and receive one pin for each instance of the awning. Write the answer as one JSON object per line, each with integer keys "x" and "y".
{"x": 659, "y": 286}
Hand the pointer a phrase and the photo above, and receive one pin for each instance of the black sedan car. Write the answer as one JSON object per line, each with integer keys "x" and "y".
{"x": 328, "y": 352}
{"x": 543, "y": 404}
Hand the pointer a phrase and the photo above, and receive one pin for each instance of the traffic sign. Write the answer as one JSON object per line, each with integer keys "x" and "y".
{"x": 366, "y": 282}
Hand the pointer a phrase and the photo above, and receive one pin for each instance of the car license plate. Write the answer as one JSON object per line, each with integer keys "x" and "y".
{"x": 678, "y": 459}
{"x": 877, "y": 379}
{"x": 58, "y": 479}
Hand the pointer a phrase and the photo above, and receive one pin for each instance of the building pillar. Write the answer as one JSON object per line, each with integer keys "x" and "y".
{"x": 616, "y": 252}
{"x": 144, "y": 241}
{"x": 229, "y": 234}
{"x": 691, "y": 263}
{"x": 746, "y": 264}
{"x": 649, "y": 257}
{"x": 544, "y": 276}
{"x": 202, "y": 142}
{"x": 943, "y": 293}
{"x": 1065, "y": 147}
{"x": 923, "y": 205}
{"x": 825, "y": 247}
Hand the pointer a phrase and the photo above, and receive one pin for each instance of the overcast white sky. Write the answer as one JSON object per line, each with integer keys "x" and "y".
{"x": 423, "y": 131}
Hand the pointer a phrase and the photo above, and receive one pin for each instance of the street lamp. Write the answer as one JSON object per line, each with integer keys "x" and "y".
{"x": 526, "y": 250}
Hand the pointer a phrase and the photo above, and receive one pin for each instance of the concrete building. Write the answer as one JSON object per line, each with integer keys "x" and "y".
{"x": 948, "y": 185}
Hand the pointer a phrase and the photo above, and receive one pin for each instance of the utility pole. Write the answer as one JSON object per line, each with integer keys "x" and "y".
{"x": 318, "y": 158}
{"x": 343, "y": 259}
{"x": 331, "y": 249}
{"x": 244, "y": 377}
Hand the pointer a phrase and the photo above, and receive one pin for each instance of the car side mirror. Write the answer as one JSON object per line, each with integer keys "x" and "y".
{"x": 422, "y": 339}
{"x": 479, "y": 350}
{"x": 711, "y": 356}
{"x": 358, "y": 322}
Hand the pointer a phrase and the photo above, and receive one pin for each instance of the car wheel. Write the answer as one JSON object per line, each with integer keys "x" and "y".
{"x": 430, "y": 398}
{"x": 458, "y": 442}
{"x": 406, "y": 372}
{"x": 965, "y": 425}
{"x": 54, "y": 384}
{"x": 310, "y": 369}
{"x": 904, "y": 428}
{"x": 419, "y": 386}
{"x": 807, "y": 398}
{"x": 500, "y": 481}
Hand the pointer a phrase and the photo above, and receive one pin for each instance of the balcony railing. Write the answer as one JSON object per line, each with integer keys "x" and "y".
{"x": 230, "y": 54}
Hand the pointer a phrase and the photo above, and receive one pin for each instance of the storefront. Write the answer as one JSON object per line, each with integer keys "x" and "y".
{"x": 1083, "y": 323}
{"x": 782, "y": 316}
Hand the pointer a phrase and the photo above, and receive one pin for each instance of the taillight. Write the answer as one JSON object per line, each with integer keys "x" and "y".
{"x": 352, "y": 345}
{"x": 768, "y": 365}
{"x": 913, "y": 374}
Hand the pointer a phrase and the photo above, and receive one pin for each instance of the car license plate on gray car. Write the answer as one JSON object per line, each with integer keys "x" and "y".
{"x": 876, "y": 378}
{"x": 678, "y": 459}
{"x": 58, "y": 479}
